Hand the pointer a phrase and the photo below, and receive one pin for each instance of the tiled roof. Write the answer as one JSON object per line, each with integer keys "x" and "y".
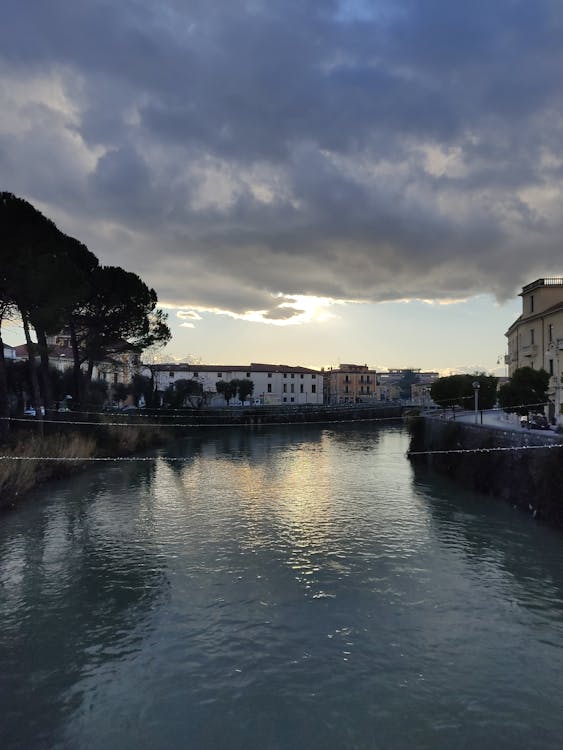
{"x": 252, "y": 367}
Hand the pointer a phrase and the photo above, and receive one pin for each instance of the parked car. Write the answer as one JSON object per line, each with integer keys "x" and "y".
{"x": 535, "y": 422}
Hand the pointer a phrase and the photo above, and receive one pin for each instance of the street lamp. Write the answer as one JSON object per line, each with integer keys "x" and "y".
{"x": 476, "y": 386}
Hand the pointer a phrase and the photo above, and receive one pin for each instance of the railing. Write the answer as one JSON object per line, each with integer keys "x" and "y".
{"x": 549, "y": 281}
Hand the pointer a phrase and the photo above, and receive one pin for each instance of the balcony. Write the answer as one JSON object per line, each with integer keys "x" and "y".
{"x": 530, "y": 350}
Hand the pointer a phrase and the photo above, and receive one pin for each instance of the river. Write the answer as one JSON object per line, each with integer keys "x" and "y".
{"x": 291, "y": 587}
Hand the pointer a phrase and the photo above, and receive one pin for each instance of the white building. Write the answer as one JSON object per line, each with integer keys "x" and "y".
{"x": 273, "y": 384}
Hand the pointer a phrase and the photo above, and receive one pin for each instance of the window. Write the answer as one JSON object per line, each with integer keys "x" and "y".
{"x": 269, "y": 387}
{"x": 171, "y": 374}
{"x": 346, "y": 389}
{"x": 531, "y": 303}
{"x": 195, "y": 375}
{"x": 247, "y": 374}
{"x": 313, "y": 388}
{"x": 313, "y": 376}
{"x": 368, "y": 379}
{"x": 285, "y": 387}
{"x": 367, "y": 389}
{"x": 550, "y": 333}
{"x": 301, "y": 388}
{"x": 115, "y": 378}
{"x": 532, "y": 336}
{"x": 301, "y": 376}
{"x": 346, "y": 379}
{"x": 292, "y": 375}
{"x": 269, "y": 374}
{"x": 292, "y": 388}
{"x": 292, "y": 399}
{"x": 361, "y": 378}
{"x": 551, "y": 367}
{"x": 285, "y": 399}
{"x": 285, "y": 374}
{"x": 219, "y": 374}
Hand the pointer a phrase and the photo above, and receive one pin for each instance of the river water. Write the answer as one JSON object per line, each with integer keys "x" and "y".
{"x": 291, "y": 588}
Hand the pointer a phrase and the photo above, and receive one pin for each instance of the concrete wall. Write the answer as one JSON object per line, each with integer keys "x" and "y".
{"x": 531, "y": 480}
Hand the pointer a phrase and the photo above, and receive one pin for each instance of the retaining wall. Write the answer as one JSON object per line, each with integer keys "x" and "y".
{"x": 531, "y": 480}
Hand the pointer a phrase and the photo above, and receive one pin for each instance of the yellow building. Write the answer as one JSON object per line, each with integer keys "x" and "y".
{"x": 350, "y": 384}
{"x": 535, "y": 339}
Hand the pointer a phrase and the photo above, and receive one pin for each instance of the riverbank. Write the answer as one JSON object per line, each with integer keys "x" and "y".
{"x": 522, "y": 467}
{"x": 20, "y": 474}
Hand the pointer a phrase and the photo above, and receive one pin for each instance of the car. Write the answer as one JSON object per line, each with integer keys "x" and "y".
{"x": 29, "y": 412}
{"x": 535, "y": 422}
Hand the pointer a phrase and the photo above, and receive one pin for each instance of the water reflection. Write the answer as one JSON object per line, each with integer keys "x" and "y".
{"x": 490, "y": 535}
{"x": 76, "y": 585}
{"x": 278, "y": 588}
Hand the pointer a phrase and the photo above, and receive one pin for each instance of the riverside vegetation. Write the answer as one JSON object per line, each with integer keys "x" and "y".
{"x": 18, "y": 477}
{"x": 52, "y": 283}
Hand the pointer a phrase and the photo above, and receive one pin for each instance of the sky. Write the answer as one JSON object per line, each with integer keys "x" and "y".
{"x": 304, "y": 182}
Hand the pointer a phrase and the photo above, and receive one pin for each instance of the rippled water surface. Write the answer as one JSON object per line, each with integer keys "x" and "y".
{"x": 297, "y": 588}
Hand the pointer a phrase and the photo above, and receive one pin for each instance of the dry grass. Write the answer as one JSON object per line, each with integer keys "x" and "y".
{"x": 131, "y": 438}
{"x": 18, "y": 477}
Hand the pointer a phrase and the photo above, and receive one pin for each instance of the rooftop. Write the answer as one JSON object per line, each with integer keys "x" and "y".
{"x": 549, "y": 281}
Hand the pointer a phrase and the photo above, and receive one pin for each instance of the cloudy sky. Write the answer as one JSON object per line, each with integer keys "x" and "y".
{"x": 301, "y": 181}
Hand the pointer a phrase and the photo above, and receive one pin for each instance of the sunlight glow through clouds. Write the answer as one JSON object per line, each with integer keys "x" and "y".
{"x": 295, "y": 310}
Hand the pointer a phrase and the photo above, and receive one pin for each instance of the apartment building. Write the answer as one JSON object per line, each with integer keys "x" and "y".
{"x": 351, "y": 384}
{"x": 273, "y": 384}
{"x": 535, "y": 339}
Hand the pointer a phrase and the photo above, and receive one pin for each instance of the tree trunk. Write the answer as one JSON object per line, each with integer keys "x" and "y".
{"x": 76, "y": 372}
{"x": 35, "y": 393}
{"x": 36, "y": 396}
{"x": 45, "y": 375}
{"x": 4, "y": 405}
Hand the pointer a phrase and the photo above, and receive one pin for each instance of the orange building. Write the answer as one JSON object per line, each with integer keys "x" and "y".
{"x": 350, "y": 384}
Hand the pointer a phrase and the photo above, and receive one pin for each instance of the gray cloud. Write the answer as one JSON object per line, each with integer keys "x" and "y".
{"x": 231, "y": 150}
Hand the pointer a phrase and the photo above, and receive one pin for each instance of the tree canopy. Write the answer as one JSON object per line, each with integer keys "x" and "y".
{"x": 54, "y": 282}
{"x": 457, "y": 390}
{"x": 527, "y": 387}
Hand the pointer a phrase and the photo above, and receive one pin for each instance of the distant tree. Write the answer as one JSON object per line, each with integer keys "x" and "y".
{"x": 457, "y": 390}
{"x": 183, "y": 392}
{"x": 142, "y": 389}
{"x": 245, "y": 388}
{"x": 527, "y": 387}
{"x": 487, "y": 389}
{"x": 227, "y": 389}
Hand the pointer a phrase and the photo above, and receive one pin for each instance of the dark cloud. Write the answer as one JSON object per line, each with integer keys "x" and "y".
{"x": 231, "y": 150}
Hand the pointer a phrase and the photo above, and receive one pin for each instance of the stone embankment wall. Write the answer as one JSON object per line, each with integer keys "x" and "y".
{"x": 531, "y": 480}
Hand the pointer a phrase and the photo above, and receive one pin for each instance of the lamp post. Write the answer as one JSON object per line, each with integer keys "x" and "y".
{"x": 476, "y": 387}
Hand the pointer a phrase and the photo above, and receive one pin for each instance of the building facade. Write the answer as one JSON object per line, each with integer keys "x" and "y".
{"x": 351, "y": 384}
{"x": 275, "y": 385}
{"x": 535, "y": 339}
